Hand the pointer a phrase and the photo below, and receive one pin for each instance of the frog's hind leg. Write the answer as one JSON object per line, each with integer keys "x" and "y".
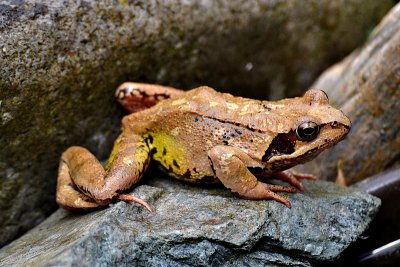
{"x": 135, "y": 97}
{"x": 231, "y": 168}
{"x": 128, "y": 161}
{"x": 68, "y": 196}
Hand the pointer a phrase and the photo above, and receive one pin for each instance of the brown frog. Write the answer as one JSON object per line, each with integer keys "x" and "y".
{"x": 203, "y": 136}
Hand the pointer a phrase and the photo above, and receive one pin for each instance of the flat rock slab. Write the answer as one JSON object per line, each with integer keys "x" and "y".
{"x": 197, "y": 226}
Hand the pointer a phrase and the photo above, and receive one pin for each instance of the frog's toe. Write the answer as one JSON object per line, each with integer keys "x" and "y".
{"x": 70, "y": 199}
{"x": 264, "y": 191}
{"x": 280, "y": 188}
{"x": 304, "y": 176}
{"x": 271, "y": 189}
{"x": 130, "y": 198}
{"x": 289, "y": 177}
{"x": 268, "y": 194}
{"x": 282, "y": 199}
{"x": 68, "y": 196}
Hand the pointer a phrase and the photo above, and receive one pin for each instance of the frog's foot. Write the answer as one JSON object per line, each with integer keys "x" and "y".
{"x": 135, "y": 97}
{"x": 84, "y": 183}
{"x": 130, "y": 199}
{"x": 293, "y": 177}
{"x": 68, "y": 196}
{"x": 231, "y": 168}
{"x": 267, "y": 191}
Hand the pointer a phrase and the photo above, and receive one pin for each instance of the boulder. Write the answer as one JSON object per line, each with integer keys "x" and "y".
{"x": 198, "y": 226}
{"x": 366, "y": 86}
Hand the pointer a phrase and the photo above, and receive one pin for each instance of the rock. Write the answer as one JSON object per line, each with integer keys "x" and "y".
{"x": 385, "y": 227}
{"x": 366, "y": 85}
{"x": 60, "y": 62}
{"x": 197, "y": 226}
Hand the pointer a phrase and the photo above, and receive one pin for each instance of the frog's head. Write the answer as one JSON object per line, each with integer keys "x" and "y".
{"x": 312, "y": 125}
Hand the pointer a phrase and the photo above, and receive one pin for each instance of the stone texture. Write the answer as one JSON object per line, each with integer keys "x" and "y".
{"x": 60, "y": 62}
{"x": 366, "y": 85}
{"x": 197, "y": 226}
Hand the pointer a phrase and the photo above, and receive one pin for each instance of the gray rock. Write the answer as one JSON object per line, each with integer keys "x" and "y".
{"x": 366, "y": 85}
{"x": 196, "y": 226}
{"x": 60, "y": 62}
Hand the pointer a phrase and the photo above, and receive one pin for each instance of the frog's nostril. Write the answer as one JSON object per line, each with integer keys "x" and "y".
{"x": 334, "y": 124}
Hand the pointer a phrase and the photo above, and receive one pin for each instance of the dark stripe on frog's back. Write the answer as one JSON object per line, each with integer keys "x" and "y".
{"x": 206, "y": 102}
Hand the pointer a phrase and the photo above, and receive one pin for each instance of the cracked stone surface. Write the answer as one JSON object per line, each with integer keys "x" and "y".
{"x": 198, "y": 226}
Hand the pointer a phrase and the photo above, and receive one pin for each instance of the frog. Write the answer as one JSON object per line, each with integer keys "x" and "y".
{"x": 202, "y": 136}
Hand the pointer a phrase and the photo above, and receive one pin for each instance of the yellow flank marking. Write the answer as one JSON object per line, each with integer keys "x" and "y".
{"x": 113, "y": 154}
{"x": 175, "y": 158}
{"x": 140, "y": 155}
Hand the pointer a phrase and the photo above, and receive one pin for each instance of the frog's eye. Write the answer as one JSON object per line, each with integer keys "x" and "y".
{"x": 307, "y": 131}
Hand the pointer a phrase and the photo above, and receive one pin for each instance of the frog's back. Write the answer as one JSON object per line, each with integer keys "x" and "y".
{"x": 206, "y": 102}
{"x": 262, "y": 116}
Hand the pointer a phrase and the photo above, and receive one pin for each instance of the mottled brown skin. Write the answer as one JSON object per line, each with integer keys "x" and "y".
{"x": 202, "y": 136}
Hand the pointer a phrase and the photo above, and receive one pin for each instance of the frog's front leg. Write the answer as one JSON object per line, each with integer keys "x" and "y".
{"x": 84, "y": 183}
{"x": 135, "y": 97}
{"x": 230, "y": 165}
